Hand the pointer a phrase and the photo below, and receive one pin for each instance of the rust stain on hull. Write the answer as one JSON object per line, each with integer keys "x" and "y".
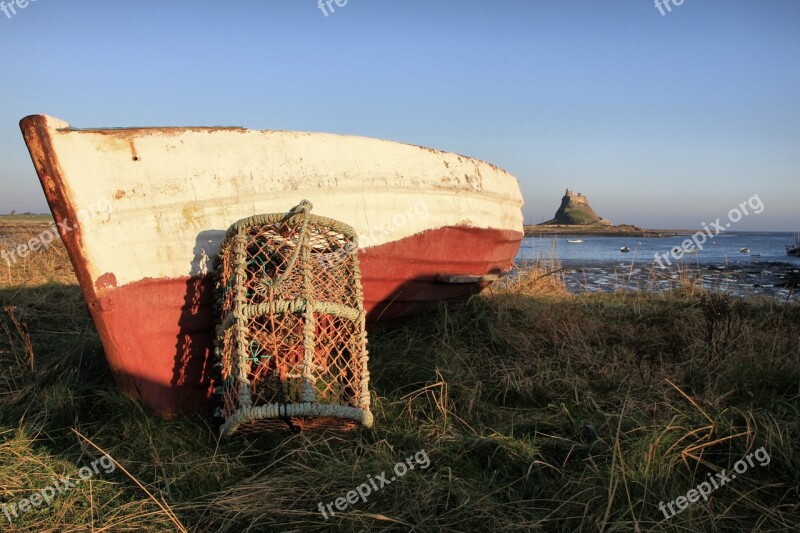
{"x": 106, "y": 281}
{"x": 134, "y": 155}
{"x": 40, "y": 146}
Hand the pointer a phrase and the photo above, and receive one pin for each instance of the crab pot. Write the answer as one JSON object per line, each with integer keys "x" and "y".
{"x": 291, "y": 342}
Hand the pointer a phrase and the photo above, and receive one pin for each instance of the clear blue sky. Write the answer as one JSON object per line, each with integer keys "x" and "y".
{"x": 663, "y": 121}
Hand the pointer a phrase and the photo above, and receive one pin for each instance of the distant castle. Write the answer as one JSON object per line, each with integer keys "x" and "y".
{"x": 576, "y": 211}
{"x": 576, "y": 198}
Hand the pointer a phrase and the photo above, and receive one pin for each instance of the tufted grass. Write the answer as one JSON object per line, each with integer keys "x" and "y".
{"x": 536, "y": 409}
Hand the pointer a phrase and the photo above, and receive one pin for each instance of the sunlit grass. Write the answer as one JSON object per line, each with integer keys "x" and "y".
{"x": 538, "y": 410}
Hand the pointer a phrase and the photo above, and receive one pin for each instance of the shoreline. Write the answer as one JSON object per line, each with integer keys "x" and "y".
{"x": 777, "y": 279}
{"x": 625, "y": 230}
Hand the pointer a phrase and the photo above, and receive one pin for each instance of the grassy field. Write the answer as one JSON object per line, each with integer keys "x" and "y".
{"x": 26, "y": 220}
{"x": 535, "y": 409}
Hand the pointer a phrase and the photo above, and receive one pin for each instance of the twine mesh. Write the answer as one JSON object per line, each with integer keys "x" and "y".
{"x": 291, "y": 341}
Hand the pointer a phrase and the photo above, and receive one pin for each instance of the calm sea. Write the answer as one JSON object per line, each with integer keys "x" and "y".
{"x": 722, "y": 249}
{"x": 742, "y": 263}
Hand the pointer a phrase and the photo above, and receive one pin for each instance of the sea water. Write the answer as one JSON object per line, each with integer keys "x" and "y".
{"x": 740, "y": 263}
{"x": 722, "y": 249}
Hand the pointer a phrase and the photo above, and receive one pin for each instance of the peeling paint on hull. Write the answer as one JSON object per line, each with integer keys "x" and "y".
{"x": 144, "y": 267}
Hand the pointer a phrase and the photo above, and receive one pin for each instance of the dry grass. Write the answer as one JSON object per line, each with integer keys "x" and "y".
{"x": 536, "y": 279}
{"x": 538, "y": 410}
{"x": 46, "y": 265}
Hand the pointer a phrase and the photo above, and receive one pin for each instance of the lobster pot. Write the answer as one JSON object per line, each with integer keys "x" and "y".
{"x": 291, "y": 341}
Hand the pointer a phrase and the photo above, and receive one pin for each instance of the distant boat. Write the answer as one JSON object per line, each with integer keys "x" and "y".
{"x": 575, "y": 241}
{"x": 744, "y": 250}
{"x": 624, "y": 249}
{"x": 684, "y": 251}
{"x": 794, "y": 249}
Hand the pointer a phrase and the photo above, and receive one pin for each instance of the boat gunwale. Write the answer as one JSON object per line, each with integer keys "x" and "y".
{"x": 241, "y": 129}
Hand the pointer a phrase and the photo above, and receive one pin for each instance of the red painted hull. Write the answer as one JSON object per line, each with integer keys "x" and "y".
{"x": 158, "y": 333}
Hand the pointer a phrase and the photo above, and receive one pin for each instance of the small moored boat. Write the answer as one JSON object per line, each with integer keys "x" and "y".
{"x": 575, "y": 241}
{"x": 794, "y": 249}
{"x": 684, "y": 251}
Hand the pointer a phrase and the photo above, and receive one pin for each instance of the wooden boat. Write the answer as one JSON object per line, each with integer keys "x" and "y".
{"x": 433, "y": 226}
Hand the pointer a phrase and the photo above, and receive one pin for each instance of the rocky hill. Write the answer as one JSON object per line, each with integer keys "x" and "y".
{"x": 576, "y": 211}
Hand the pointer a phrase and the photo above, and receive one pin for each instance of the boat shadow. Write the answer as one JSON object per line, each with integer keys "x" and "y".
{"x": 192, "y": 371}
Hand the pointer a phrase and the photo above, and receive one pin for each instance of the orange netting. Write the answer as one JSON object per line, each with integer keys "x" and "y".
{"x": 291, "y": 340}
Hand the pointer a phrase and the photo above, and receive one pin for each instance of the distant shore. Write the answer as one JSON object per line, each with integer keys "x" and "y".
{"x": 28, "y": 219}
{"x": 777, "y": 279}
{"x": 603, "y": 231}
